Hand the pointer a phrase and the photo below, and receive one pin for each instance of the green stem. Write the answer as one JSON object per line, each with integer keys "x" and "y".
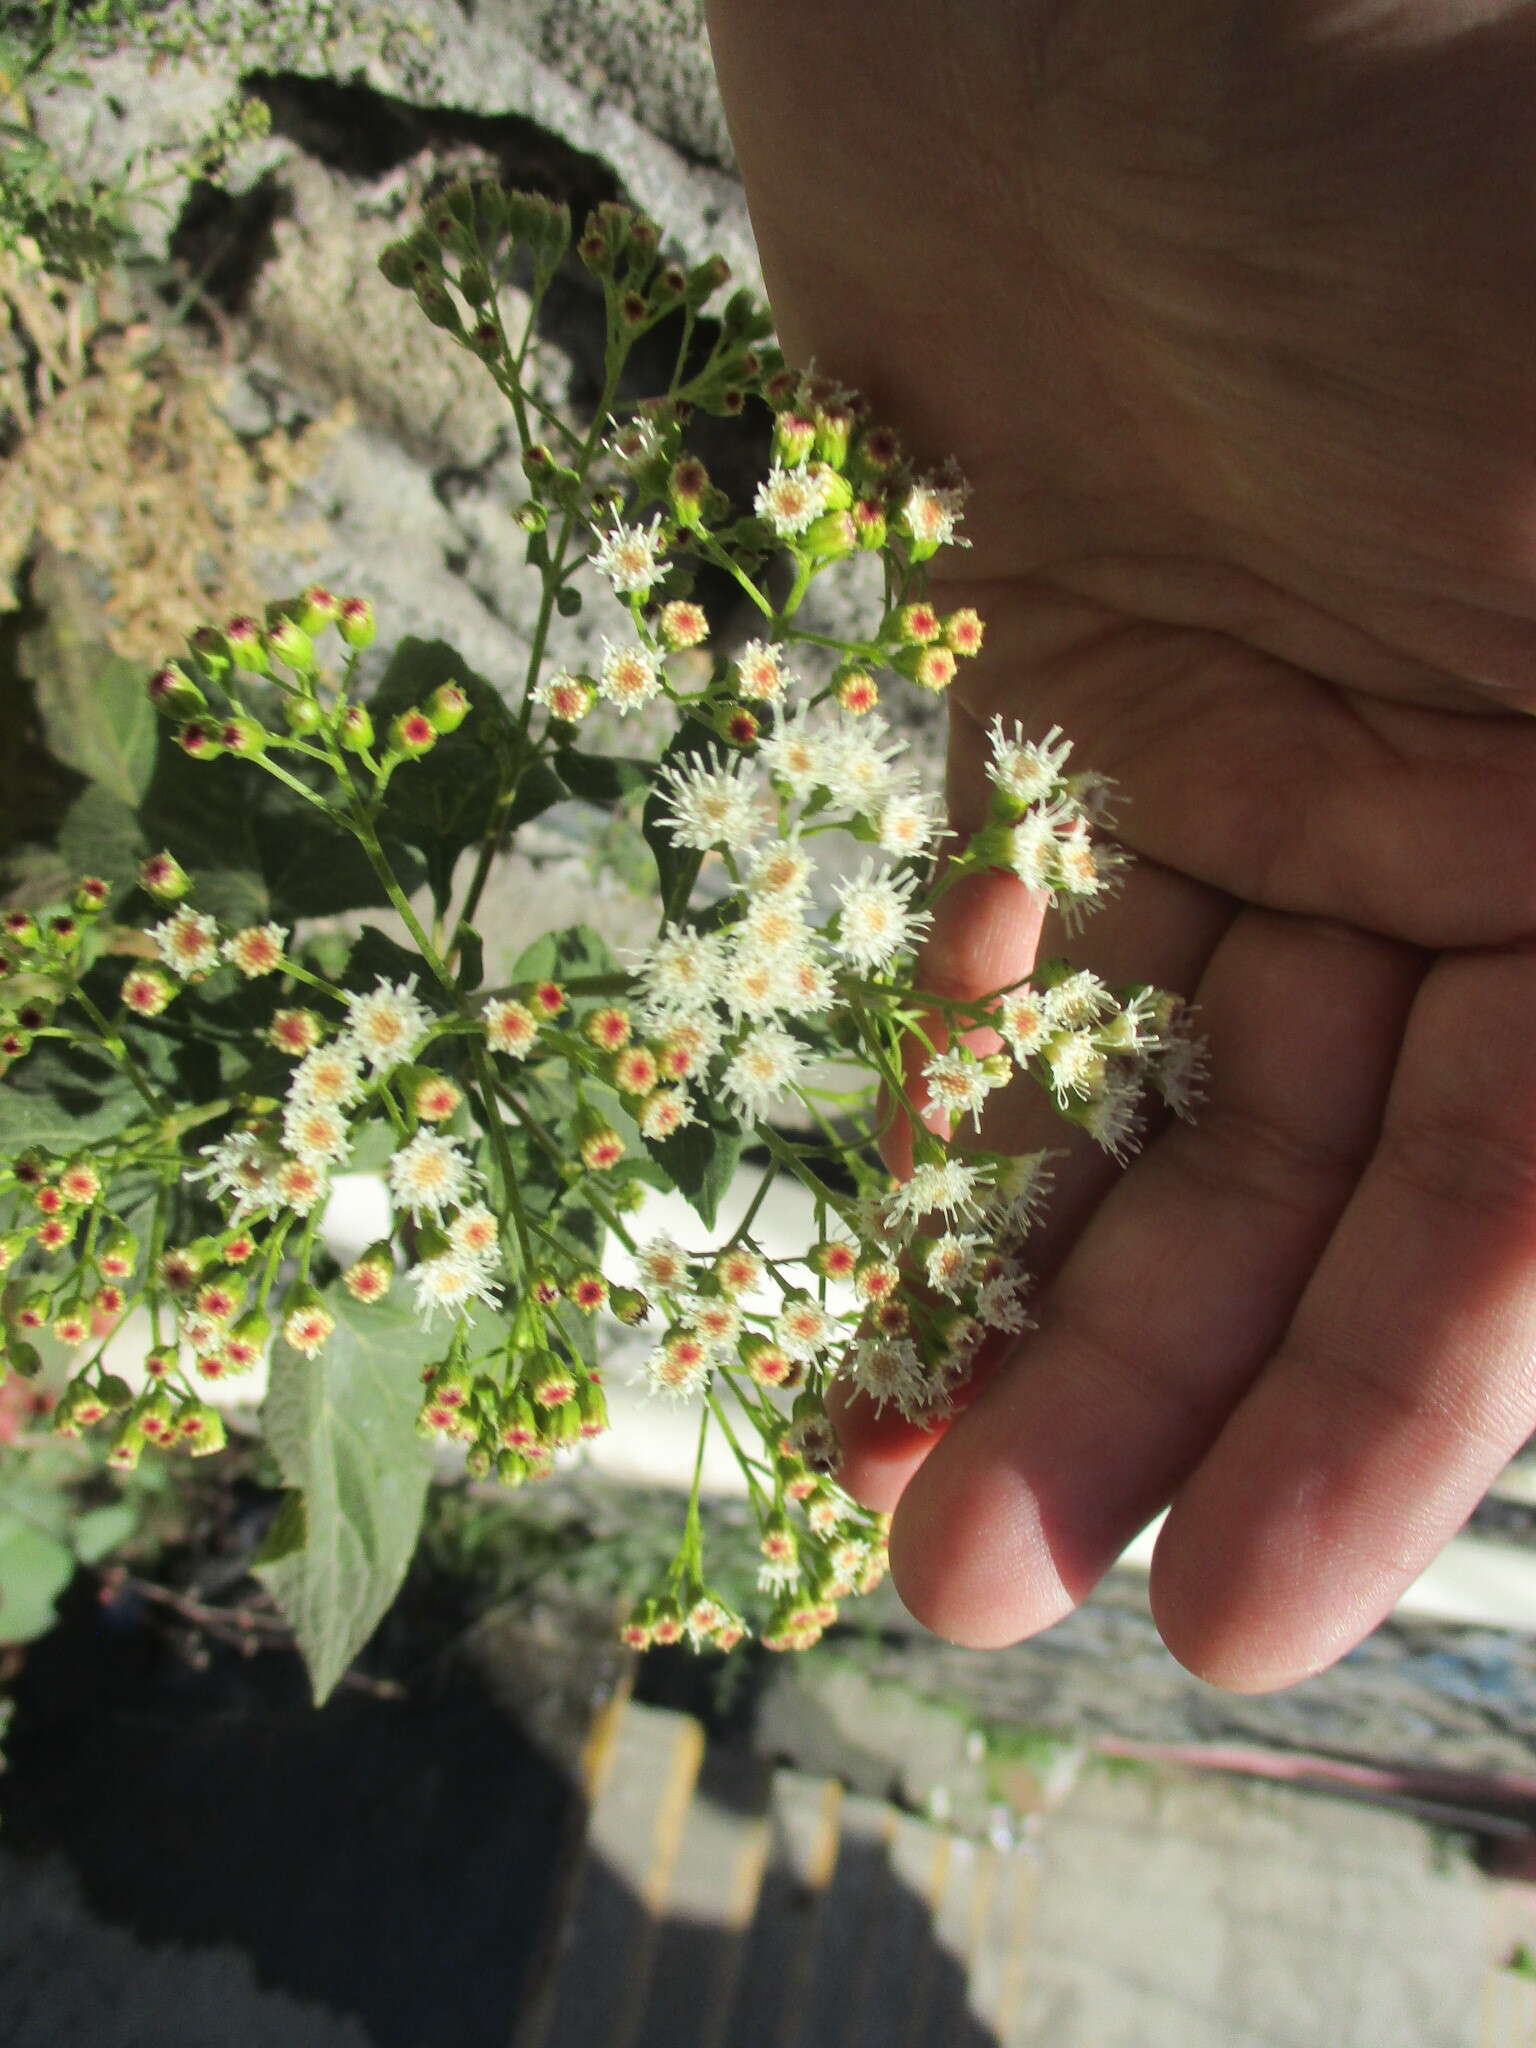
{"x": 114, "y": 1043}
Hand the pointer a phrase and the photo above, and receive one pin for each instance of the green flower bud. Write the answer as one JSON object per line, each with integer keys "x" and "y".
{"x": 354, "y": 729}
{"x": 174, "y": 694}
{"x": 448, "y": 707}
{"x": 288, "y": 641}
{"x": 243, "y": 736}
{"x": 412, "y": 734}
{"x": 302, "y": 715}
{"x": 355, "y": 621}
{"x": 247, "y": 650}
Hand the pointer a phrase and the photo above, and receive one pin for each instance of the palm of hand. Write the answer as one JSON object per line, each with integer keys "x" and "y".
{"x": 1250, "y": 477}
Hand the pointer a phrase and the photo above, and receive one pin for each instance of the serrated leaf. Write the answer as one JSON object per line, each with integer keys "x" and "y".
{"x": 342, "y": 1427}
{"x": 700, "y": 1159}
{"x": 34, "y": 1570}
{"x": 94, "y": 711}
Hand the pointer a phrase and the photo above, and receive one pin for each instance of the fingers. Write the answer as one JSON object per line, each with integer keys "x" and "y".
{"x": 1175, "y": 1293}
{"x": 1405, "y": 1380}
{"x": 986, "y": 935}
{"x": 1255, "y": 777}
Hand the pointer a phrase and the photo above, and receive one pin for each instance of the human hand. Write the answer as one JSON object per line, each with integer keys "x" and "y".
{"x": 1226, "y": 313}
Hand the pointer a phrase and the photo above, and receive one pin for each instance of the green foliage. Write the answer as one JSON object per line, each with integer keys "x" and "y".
{"x": 343, "y": 1430}
{"x": 49, "y": 1524}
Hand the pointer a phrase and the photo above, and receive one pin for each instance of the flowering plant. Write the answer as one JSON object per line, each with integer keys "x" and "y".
{"x": 195, "y": 1049}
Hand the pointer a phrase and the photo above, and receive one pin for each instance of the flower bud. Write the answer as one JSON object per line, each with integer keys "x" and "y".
{"x": 354, "y": 729}
{"x": 302, "y": 715}
{"x": 147, "y": 991}
{"x": 247, "y": 650}
{"x": 243, "y": 736}
{"x": 91, "y": 895}
{"x": 174, "y": 694}
{"x": 163, "y": 877}
{"x": 199, "y": 740}
{"x": 412, "y": 734}
{"x": 794, "y": 437}
{"x": 212, "y": 654}
{"x": 369, "y": 1278}
{"x": 828, "y": 538}
{"x": 448, "y": 707}
{"x": 355, "y": 621}
{"x": 869, "y": 524}
{"x": 629, "y": 1305}
{"x": 314, "y": 609}
{"x": 550, "y": 1380}
{"x": 288, "y": 642}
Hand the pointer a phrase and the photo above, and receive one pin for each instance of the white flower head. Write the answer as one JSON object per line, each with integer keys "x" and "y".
{"x": 862, "y": 771}
{"x": 1023, "y": 1021}
{"x": 389, "y": 1023}
{"x": 632, "y": 443}
{"x": 187, "y": 942}
{"x": 242, "y": 1169}
{"x": 876, "y": 920}
{"x": 452, "y": 1281}
{"x": 713, "y": 806}
{"x": 430, "y": 1174}
{"x": 315, "y": 1132}
{"x": 1026, "y": 770}
{"x": 798, "y": 756}
{"x": 906, "y": 826}
{"x": 257, "y": 950}
{"x": 890, "y": 1370}
{"x": 630, "y": 557}
{"x": 959, "y": 1083}
{"x": 475, "y": 1233}
{"x": 1112, "y": 1118}
{"x": 1079, "y": 1000}
{"x": 805, "y": 1329}
{"x": 945, "y": 1187}
{"x": 783, "y": 869}
{"x": 762, "y": 675}
{"x": 931, "y": 514}
{"x": 630, "y": 676}
{"x": 768, "y": 1063}
{"x": 951, "y": 1262}
{"x": 663, "y": 1263}
{"x": 790, "y": 500}
{"x": 680, "y": 972}
{"x": 331, "y": 1074}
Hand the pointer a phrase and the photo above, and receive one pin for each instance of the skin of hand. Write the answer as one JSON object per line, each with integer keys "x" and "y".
{"x": 1227, "y": 313}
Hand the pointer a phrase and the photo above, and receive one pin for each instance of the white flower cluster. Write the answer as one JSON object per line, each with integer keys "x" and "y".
{"x": 1047, "y": 838}
{"x": 290, "y": 1168}
{"x": 741, "y": 989}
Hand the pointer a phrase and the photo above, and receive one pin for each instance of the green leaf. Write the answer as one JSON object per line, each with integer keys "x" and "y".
{"x": 34, "y": 1570}
{"x": 342, "y": 1427}
{"x": 99, "y": 1531}
{"x": 63, "y": 1096}
{"x": 314, "y": 867}
{"x": 700, "y": 1159}
{"x": 561, "y": 956}
{"x": 100, "y": 835}
{"x": 92, "y": 703}
{"x": 603, "y": 779}
{"x": 445, "y": 800}
{"x": 378, "y": 957}
{"x": 204, "y": 812}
